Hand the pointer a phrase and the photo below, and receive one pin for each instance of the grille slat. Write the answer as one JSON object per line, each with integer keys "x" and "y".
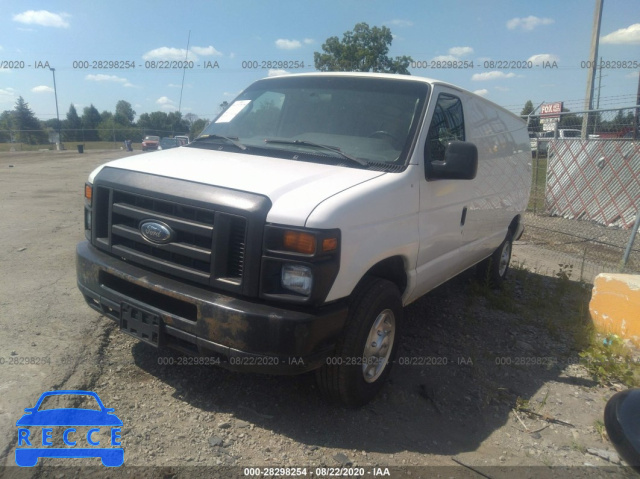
{"x": 182, "y": 271}
{"x": 184, "y": 249}
{"x": 140, "y": 214}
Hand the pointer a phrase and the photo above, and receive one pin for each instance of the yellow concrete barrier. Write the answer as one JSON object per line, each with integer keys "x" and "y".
{"x": 615, "y": 305}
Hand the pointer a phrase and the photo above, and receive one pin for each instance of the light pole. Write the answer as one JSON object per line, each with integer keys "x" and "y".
{"x": 55, "y": 91}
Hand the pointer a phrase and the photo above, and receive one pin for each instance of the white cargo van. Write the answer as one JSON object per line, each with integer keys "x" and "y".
{"x": 289, "y": 236}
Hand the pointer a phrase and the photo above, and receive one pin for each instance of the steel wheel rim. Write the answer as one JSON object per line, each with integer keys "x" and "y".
{"x": 504, "y": 259}
{"x": 377, "y": 349}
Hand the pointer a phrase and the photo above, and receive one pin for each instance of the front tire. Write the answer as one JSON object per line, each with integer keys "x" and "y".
{"x": 365, "y": 353}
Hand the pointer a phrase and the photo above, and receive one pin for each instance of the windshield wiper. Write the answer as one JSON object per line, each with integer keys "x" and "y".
{"x": 233, "y": 140}
{"x": 334, "y": 149}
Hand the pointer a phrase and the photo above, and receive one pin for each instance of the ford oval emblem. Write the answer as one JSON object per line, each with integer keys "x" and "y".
{"x": 156, "y": 231}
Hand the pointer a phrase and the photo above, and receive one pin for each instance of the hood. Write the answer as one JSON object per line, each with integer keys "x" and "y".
{"x": 295, "y": 188}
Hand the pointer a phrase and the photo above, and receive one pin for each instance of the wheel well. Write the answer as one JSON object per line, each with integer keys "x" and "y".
{"x": 391, "y": 269}
{"x": 513, "y": 227}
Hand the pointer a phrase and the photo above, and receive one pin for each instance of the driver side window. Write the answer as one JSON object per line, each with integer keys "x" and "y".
{"x": 447, "y": 125}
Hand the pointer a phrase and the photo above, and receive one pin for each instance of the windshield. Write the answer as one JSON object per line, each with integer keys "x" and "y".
{"x": 369, "y": 119}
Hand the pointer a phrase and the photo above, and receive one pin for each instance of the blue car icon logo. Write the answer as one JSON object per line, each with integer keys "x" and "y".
{"x": 66, "y": 422}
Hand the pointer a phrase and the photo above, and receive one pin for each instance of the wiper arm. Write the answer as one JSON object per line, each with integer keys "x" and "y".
{"x": 233, "y": 140}
{"x": 334, "y": 149}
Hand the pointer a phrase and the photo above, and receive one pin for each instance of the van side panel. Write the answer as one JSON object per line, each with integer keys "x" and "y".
{"x": 500, "y": 190}
{"x": 441, "y": 207}
{"x": 461, "y": 222}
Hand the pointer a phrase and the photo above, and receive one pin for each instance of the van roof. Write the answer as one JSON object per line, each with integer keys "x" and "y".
{"x": 397, "y": 77}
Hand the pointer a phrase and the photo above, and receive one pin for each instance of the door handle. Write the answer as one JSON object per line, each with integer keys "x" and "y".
{"x": 464, "y": 216}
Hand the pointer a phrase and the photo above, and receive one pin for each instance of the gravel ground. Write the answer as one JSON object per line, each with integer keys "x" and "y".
{"x": 483, "y": 380}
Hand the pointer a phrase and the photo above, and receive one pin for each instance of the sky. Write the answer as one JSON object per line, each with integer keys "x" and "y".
{"x": 231, "y": 43}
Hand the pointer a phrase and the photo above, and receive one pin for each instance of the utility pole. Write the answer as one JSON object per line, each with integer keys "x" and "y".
{"x": 636, "y": 123}
{"x": 599, "y": 84}
{"x": 55, "y": 91}
{"x": 595, "y": 123}
{"x": 184, "y": 71}
{"x": 593, "y": 60}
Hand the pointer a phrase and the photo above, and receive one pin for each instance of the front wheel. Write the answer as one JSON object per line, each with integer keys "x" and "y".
{"x": 365, "y": 353}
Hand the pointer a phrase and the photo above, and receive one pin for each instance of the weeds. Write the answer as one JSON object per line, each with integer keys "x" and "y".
{"x": 561, "y": 306}
{"x": 576, "y": 446}
{"x": 609, "y": 361}
{"x": 521, "y": 404}
{"x": 601, "y": 430}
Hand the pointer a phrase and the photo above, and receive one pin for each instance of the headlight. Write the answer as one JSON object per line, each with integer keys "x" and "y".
{"x": 297, "y": 278}
{"x": 299, "y": 265}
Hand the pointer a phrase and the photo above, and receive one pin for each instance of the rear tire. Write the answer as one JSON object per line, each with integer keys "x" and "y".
{"x": 494, "y": 269}
{"x": 365, "y": 353}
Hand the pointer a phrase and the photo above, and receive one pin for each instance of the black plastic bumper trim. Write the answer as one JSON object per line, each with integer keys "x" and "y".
{"x": 251, "y": 336}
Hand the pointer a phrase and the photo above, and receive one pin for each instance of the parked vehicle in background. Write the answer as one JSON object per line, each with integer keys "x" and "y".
{"x": 150, "y": 142}
{"x": 568, "y": 133}
{"x": 291, "y": 233}
{"x": 168, "y": 143}
{"x": 184, "y": 140}
{"x": 546, "y": 136}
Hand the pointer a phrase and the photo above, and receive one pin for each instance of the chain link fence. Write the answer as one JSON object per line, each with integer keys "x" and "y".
{"x": 29, "y": 140}
{"x": 585, "y": 194}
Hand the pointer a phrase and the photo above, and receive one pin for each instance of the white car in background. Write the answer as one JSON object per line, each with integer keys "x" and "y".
{"x": 546, "y": 136}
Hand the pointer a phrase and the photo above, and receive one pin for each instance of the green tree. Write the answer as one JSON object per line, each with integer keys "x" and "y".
{"x": 29, "y": 128}
{"x": 111, "y": 130}
{"x": 72, "y": 125}
{"x": 154, "y": 123}
{"x": 364, "y": 49}
{"x": 163, "y": 124}
{"x": 190, "y": 118}
{"x": 178, "y": 124}
{"x": 124, "y": 113}
{"x": 90, "y": 120}
{"x": 528, "y": 108}
{"x": 197, "y": 127}
{"x": 569, "y": 120}
{"x": 6, "y": 126}
{"x": 534, "y": 121}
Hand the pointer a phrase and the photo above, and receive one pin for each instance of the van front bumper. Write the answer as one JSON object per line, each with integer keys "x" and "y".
{"x": 241, "y": 334}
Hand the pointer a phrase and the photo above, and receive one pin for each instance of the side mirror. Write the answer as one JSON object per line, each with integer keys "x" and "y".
{"x": 460, "y": 163}
{"x": 622, "y": 421}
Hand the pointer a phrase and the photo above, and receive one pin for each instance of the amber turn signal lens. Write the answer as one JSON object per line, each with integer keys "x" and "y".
{"x": 329, "y": 244}
{"x": 88, "y": 191}
{"x": 299, "y": 242}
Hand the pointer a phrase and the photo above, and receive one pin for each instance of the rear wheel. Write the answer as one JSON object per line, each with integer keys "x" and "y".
{"x": 364, "y": 355}
{"x": 494, "y": 268}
